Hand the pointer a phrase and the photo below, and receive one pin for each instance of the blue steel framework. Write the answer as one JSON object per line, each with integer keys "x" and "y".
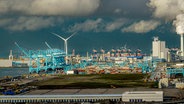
{"x": 52, "y": 59}
{"x": 45, "y": 60}
{"x": 175, "y": 71}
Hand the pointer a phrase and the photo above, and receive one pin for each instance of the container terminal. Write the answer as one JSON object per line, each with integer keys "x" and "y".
{"x": 165, "y": 67}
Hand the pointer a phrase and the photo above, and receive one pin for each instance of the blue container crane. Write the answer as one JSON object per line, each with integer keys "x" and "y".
{"x": 26, "y": 53}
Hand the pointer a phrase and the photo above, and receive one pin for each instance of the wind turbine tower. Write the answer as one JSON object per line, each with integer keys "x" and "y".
{"x": 65, "y": 41}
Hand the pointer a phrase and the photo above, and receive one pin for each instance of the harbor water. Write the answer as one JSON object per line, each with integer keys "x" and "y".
{"x": 13, "y": 72}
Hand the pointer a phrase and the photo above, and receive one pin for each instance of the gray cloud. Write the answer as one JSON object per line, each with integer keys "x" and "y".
{"x": 28, "y": 23}
{"x": 18, "y": 15}
{"x": 124, "y": 8}
{"x": 117, "y": 10}
{"x": 142, "y": 26}
{"x": 49, "y": 7}
{"x": 88, "y": 25}
{"x": 5, "y": 21}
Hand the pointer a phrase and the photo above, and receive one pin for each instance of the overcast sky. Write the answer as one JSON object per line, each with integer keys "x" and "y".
{"x": 99, "y": 24}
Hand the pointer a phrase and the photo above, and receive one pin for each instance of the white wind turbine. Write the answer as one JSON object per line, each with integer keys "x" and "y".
{"x": 65, "y": 41}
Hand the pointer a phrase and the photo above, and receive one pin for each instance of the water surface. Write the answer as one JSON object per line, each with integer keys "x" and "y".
{"x": 13, "y": 71}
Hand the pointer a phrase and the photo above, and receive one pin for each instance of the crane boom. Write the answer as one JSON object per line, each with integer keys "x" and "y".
{"x": 48, "y": 45}
{"x": 22, "y": 49}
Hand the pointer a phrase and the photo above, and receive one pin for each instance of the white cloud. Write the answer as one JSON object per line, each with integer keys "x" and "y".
{"x": 167, "y": 9}
{"x": 98, "y": 25}
{"x": 49, "y": 7}
{"x": 142, "y": 26}
{"x": 170, "y": 10}
{"x": 28, "y": 23}
{"x": 88, "y": 25}
{"x": 179, "y": 24}
{"x": 111, "y": 26}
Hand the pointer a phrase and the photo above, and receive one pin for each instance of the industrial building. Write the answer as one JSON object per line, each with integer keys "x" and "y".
{"x": 12, "y": 62}
{"x": 5, "y": 63}
{"x": 158, "y": 49}
{"x": 179, "y": 85}
{"x": 143, "y": 96}
{"x": 134, "y": 96}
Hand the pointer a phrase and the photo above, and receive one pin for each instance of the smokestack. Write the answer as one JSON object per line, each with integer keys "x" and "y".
{"x": 11, "y": 55}
{"x": 182, "y": 45}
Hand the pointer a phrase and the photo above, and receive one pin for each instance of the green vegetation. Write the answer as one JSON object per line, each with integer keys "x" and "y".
{"x": 95, "y": 81}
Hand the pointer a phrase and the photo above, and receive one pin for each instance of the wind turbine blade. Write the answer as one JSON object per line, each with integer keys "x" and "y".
{"x": 48, "y": 45}
{"x": 59, "y": 36}
{"x": 71, "y": 36}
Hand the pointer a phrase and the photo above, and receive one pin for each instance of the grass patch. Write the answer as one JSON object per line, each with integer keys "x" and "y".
{"x": 94, "y": 81}
{"x": 122, "y": 76}
{"x": 77, "y": 85}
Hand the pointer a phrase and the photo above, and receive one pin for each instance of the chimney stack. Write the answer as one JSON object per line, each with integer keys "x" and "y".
{"x": 182, "y": 45}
